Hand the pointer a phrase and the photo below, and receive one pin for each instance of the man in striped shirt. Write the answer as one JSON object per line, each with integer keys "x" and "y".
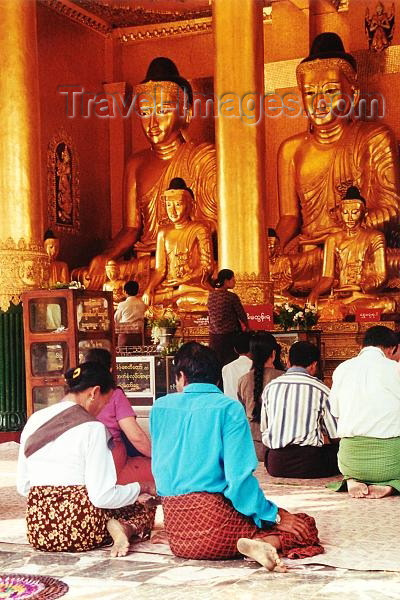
{"x": 296, "y": 420}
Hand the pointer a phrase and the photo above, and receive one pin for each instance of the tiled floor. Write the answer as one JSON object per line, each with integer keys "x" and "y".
{"x": 358, "y": 534}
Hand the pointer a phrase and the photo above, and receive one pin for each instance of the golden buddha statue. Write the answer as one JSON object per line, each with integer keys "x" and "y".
{"x": 164, "y": 103}
{"x": 338, "y": 151}
{"x": 59, "y": 272}
{"x": 184, "y": 261}
{"x": 291, "y": 273}
{"x": 114, "y": 284}
{"x": 354, "y": 262}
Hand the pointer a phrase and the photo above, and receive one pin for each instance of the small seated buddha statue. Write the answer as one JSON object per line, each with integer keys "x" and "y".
{"x": 354, "y": 262}
{"x": 184, "y": 261}
{"x": 59, "y": 272}
{"x": 114, "y": 284}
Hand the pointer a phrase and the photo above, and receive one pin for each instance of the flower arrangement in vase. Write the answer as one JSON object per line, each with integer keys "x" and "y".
{"x": 293, "y": 316}
{"x": 163, "y": 325}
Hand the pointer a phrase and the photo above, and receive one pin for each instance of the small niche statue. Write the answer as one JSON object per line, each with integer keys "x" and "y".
{"x": 59, "y": 272}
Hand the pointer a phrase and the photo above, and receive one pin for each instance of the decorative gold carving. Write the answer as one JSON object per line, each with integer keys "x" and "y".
{"x": 63, "y": 184}
{"x": 324, "y": 65}
{"x": 341, "y": 353}
{"x": 23, "y": 266}
{"x": 364, "y": 326}
{"x": 157, "y": 91}
{"x": 79, "y": 15}
{"x": 178, "y": 29}
{"x": 126, "y": 13}
{"x": 253, "y": 288}
{"x": 192, "y": 332}
{"x": 335, "y": 327}
{"x": 340, "y": 5}
{"x": 379, "y": 27}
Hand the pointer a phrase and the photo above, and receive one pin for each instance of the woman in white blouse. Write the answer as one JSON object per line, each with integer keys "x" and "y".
{"x": 67, "y": 471}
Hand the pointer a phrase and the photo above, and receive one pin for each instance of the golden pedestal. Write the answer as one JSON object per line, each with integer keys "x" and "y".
{"x": 341, "y": 341}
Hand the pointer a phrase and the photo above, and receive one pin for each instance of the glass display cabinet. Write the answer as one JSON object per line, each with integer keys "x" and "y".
{"x": 59, "y": 327}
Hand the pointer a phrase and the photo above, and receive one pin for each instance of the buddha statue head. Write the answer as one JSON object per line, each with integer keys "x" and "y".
{"x": 164, "y": 102}
{"x": 352, "y": 209}
{"x": 273, "y": 244}
{"x": 112, "y": 270}
{"x": 51, "y": 245}
{"x": 179, "y": 201}
{"x": 327, "y": 79}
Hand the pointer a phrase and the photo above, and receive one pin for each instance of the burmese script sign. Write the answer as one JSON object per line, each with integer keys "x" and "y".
{"x": 260, "y": 316}
{"x": 136, "y": 376}
{"x": 368, "y": 315}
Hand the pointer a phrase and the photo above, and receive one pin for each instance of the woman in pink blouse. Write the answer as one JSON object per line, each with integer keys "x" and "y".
{"x": 120, "y": 419}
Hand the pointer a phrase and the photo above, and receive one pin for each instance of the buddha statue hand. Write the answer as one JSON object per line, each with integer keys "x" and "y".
{"x": 147, "y": 296}
{"x": 96, "y": 271}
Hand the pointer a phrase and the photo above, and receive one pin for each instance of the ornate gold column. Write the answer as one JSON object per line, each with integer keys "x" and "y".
{"x": 23, "y": 262}
{"x": 239, "y": 67}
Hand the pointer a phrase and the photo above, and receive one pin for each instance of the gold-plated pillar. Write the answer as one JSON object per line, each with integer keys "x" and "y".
{"x": 23, "y": 262}
{"x": 242, "y": 238}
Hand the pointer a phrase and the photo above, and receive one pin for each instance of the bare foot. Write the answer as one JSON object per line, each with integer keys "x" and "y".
{"x": 357, "y": 489}
{"x": 159, "y": 537}
{"x": 120, "y": 533}
{"x": 261, "y": 552}
{"x": 379, "y": 491}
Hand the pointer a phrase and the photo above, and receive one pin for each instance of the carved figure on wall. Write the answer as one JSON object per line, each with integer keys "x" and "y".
{"x": 63, "y": 184}
{"x": 59, "y": 272}
{"x": 184, "y": 261}
{"x": 64, "y": 187}
{"x": 114, "y": 284}
{"x": 379, "y": 27}
{"x": 165, "y": 109}
{"x": 315, "y": 168}
{"x": 354, "y": 259}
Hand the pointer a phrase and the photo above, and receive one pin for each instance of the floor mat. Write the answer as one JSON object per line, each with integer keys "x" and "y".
{"x": 356, "y": 533}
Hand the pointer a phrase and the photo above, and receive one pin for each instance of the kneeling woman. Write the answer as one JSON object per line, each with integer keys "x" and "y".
{"x": 67, "y": 471}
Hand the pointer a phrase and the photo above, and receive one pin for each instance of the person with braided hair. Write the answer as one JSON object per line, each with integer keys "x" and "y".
{"x": 264, "y": 351}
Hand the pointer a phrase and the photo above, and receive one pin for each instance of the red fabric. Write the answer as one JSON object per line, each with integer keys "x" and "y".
{"x": 292, "y": 547}
{"x": 206, "y": 526}
{"x": 129, "y": 469}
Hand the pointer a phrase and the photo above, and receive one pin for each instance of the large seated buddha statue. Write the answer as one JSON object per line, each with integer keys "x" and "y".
{"x": 316, "y": 167}
{"x": 164, "y": 104}
{"x": 184, "y": 261}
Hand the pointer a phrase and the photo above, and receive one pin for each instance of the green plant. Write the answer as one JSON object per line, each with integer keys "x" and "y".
{"x": 290, "y": 315}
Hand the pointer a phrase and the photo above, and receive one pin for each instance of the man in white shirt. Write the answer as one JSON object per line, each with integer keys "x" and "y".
{"x": 130, "y": 313}
{"x": 365, "y": 397}
{"x": 233, "y": 371}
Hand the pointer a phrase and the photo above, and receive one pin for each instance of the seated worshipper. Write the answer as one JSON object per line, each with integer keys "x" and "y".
{"x": 233, "y": 371}
{"x": 203, "y": 461}
{"x": 131, "y": 312}
{"x": 263, "y": 348}
{"x": 131, "y": 447}
{"x": 66, "y": 469}
{"x": 295, "y": 418}
{"x": 365, "y": 397}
